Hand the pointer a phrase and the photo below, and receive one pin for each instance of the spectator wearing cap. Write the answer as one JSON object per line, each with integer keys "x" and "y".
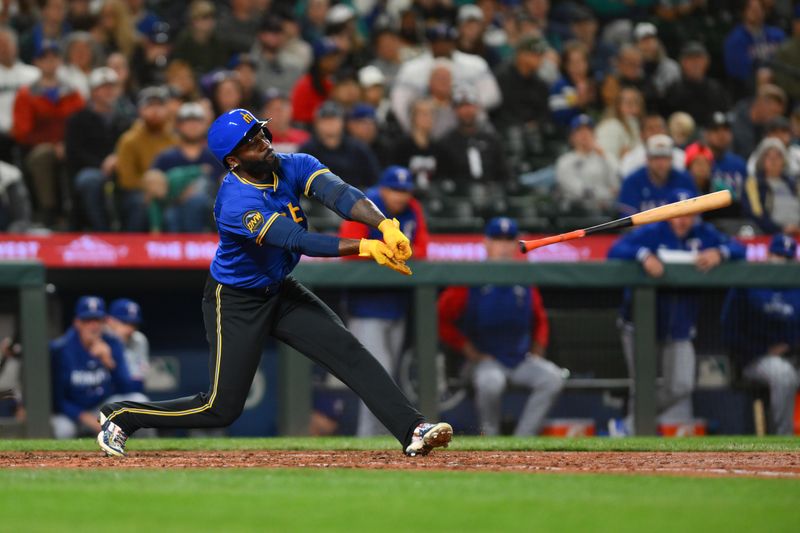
{"x": 503, "y": 332}
{"x": 244, "y": 67}
{"x": 199, "y": 44}
{"x": 770, "y": 195}
{"x": 278, "y": 108}
{"x": 14, "y": 74}
{"x": 780, "y": 128}
{"x": 575, "y": 91}
{"x": 52, "y": 26}
{"x": 344, "y": 155}
{"x": 468, "y": 70}
{"x": 274, "y": 67}
{"x": 636, "y": 158}
{"x": 786, "y": 63}
{"x": 373, "y": 93}
{"x": 238, "y": 25}
{"x": 618, "y": 134}
{"x": 151, "y": 56}
{"x": 88, "y": 369}
{"x": 554, "y": 31}
{"x": 314, "y": 87}
{"x": 143, "y": 19}
{"x": 123, "y": 322}
{"x": 699, "y": 162}
{"x": 362, "y": 124}
{"x": 585, "y": 175}
{"x": 378, "y": 318}
{"x": 752, "y": 115}
{"x": 40, "y": 116}
{"x": 136, "y": 150}
{"x": 418, "y": 150}
{"x": 683, "y": 239}
{"x": 525, "y": 94}
{"x": 654, "y": 184}
{"x": 181, "y": 182}
{"x": 341, "y": 25}
{"x": 729, "y": 169}
{"x": 762, "y": 329}
{"x": 473, "y": 151}
{"x": 471, "y": 34}
{"x": 695, "y": 92}
{"x": 91, "y": 135}
{"x": 750, "y": 47}
{"x": 583, "y": 26}
{"x": 660, "y": 69}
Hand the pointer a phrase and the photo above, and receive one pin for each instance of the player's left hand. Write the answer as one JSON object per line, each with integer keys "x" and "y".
{"x": 395, "y": 239}
{"x": 708, "y": 259}
{"x": 382, "y": 255}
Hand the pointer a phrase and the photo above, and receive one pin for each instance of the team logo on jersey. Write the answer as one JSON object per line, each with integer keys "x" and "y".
{"x": 252, "y": 220}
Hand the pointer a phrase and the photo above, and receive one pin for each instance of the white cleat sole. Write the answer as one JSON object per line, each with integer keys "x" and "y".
{"x": 110, "y": 452}
{"x": 439, "y": 436}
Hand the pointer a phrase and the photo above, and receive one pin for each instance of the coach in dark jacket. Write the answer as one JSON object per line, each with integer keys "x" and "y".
{"x": 525, "y": 94}
{"x": 696, "y": 93}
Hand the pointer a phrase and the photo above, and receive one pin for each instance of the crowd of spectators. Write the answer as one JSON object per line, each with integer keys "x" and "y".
{"x": 529, "y": 108}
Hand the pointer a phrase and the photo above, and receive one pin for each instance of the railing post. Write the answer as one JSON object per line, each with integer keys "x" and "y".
{"x": 36, "y": 365}
{"x": 644, "y": 360}
{"x": 426, "y": 337}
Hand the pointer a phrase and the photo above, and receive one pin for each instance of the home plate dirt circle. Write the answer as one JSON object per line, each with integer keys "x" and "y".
{"x": 753, "y": 464}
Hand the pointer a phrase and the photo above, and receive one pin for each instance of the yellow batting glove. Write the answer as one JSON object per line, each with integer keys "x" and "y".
{"x": 382, "y": 255}
{"x": 395, "y": 239}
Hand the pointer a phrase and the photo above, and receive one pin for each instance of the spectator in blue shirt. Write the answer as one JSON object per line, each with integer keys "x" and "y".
{"x": 750, "y": 46}
{"x": 652, "y": 185}
{"x": 729, "y": 170}
{"x": 88, "y": 369}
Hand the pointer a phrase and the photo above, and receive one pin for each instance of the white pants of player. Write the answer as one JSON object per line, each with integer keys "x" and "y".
{"x": 782, "y": 379}
{"x": 384, "y": 340}
{"x": 66, "y": 428}
{"x": 490, "y": 379}
{"x": 674, "y": 396}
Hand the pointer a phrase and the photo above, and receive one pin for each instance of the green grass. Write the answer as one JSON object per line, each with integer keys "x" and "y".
{"x": 706, "y": 444}
{"x": 353, "y": 500}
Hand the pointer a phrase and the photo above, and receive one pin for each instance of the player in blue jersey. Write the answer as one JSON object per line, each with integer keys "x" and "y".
{"x": 250, "y": 295}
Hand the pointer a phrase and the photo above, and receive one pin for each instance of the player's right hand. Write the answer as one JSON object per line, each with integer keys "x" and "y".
{"x": 382, "y": 255}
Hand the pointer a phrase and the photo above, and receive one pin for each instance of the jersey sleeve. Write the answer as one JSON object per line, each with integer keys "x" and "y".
{"x": 306, "y": 169}
{"x": 247, "y": 220}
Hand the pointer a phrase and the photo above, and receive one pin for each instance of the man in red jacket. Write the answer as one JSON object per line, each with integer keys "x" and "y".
{"x": 40, "y": 116}
{"x": 503, "y": 332}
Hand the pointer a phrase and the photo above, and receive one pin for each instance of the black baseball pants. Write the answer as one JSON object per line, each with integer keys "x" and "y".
{"x": 238, "y": 322}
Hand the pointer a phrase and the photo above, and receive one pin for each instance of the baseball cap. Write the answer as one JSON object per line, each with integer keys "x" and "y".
{"x": 191, "y": 111}
{"x": 397, "y": 177}
{"x": 360, "y": 111}
{"x": 643, "y": 30}
{"x": 659, "y": 145}
{"x": 201, "y": 8}
{"x": 440, "y": 32}
{"x": 152, "y": 94}
{"x": 102, "y": 76}
{"x": 719, "y": 120}
{"x": 47, "y": 46}
{"x": 370, "y": 75}
{"x": 339, "y": 14}
{"x": 274, "y": 93}
{"x": 693, "y": 48}
{"x": 90, "y": 307}
{"x": 465, "y": 94}
{"x": 695, "y": 150}
{"x": 783, "y": 245}
{"x": 534, "y": 44}
{"x": 242, "y": 58}
{"x": 501, "y": 228}
{"x": 769, "y": 90}
{"x": 126, "y": 310}
{"x": 777, "y": 123}
{"x": 325, "y": 46}
{"x": 271, "y": 24}
{"x": 581, "y": 121}
{"x": 232, "y": 129}
{"x": 159, "y": 33}
{"x": 329, "y": 109}
{"x": 469, "y": 12}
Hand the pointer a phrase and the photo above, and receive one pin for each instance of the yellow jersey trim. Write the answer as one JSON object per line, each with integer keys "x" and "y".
{"x": 270, "y": 220}
{"x": 273, "y": 185}
{"x": 214, "y": 386}
{"x": 312, "y": 177}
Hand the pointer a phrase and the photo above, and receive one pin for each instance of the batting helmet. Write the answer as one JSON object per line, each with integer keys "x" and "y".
{"x": 233, "y": 129}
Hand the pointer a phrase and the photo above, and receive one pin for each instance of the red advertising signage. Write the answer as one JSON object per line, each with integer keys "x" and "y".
{"x": 132, "y": 250}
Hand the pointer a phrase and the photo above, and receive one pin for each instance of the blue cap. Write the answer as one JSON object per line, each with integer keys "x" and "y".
{"x": 783, "y": 245}
{"x": 362, "y": 111}
{"x": 441, "y": 32}
{"x": 580, "y": 121}
{"x": 397, "y": 177}
{"x": 126, "y": 310}
{"x": 324, "y": 47}
{"x": 47, "y": 46}
{"x": 678, "y": 195}
{"x": 90, "y": 307}
{"x": 502, "y": 227}
{"x": 230, "y": 129}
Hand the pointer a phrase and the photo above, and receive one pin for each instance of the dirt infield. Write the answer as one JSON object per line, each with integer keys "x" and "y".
{"x": 761, "y": 464}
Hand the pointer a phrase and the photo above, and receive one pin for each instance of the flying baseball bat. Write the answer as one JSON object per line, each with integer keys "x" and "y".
{"x": 691, "y": 206}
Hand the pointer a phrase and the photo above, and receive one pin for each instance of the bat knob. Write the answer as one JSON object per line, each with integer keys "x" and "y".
{"x": 522, "y": 247}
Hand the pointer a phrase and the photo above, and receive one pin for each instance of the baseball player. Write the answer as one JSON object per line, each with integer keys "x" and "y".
{"x": 762, "y": 327}
{"x": 124, "y": 317}
{"x": 503, "y": 332}
{"x": 250, "y": 295}
{"x": 681, "y": 239}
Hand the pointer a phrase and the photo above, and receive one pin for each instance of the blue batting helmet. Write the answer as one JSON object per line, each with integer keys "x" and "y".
{"x": 232, "y": 129}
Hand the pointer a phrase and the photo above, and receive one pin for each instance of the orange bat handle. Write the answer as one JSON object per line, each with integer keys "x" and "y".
{"x": 527, "y": 246}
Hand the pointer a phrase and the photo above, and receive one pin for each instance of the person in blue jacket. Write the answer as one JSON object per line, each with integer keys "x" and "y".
{"x": 652, "y": 185}
{"x": 89, "y": 369}
{"x": 761, "y": 328}
{"x": 679, "y": 239}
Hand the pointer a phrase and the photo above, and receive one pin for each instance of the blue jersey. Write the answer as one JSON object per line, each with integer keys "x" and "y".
{"x": 639, "y": 194}
{"x": 677, "y": 310}
{"x": 729, "y": 172}
{"x": 744, "y": 52}
{"x": 249, "y": 255}
{"x": 80, "y": 381}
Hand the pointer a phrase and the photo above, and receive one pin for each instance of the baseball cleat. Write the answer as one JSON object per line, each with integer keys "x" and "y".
{"x": 111, "y": 438}
{"x": 426, "y": 437}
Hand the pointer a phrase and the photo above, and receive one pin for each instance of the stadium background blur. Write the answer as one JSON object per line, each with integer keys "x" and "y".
{"x": 85, "y": 173}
